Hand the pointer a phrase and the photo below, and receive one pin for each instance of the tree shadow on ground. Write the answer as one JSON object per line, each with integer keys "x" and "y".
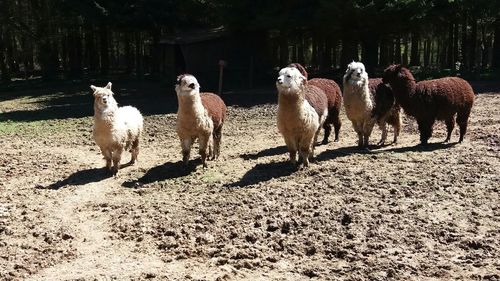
{"x": 264, "y": 153}
{"x": 264, "y": 172}
{"x": 169, "y": 170}
{"x": 80, "y": 178}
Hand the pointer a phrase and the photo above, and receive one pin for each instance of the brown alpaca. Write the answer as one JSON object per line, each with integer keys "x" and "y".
{"x": 334, "y": 97}
{"x": 200, "y": 116}
{"x": 428, "y": 101}
{"x": 387, "y": 110}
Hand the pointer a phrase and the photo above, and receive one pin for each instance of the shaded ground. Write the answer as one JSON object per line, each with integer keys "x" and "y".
{"x": 397, "y": 213}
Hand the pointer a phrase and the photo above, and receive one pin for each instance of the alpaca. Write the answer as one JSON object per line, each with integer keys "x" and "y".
{"x": 200, "y": 116}
{"x": 334, "y": 97}
{"x": 369, "y": 103}
{"x": 387, "y": 110}
{"x": 302, "y": 110}
{"x": 428, "y": 101}
{"x": 115, "y": 128}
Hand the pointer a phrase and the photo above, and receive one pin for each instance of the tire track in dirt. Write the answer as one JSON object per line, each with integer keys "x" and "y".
{"x": 97, "y": 254}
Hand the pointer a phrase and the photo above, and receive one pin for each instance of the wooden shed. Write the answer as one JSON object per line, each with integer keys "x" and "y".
{"x": 199, "y": 52}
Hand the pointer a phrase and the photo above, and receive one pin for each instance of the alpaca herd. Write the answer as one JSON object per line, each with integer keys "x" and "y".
{"x": 304, "y": 107}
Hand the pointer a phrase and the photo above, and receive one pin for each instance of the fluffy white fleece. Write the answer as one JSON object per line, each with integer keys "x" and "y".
{"x": 115, "y": 128}
{"x": 358, "y": 102}
{"x": 298, "y": 121}
{"x": 193, "y": 120}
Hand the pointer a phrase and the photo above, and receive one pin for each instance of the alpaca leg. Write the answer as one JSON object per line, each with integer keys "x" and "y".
{"x": 367, "y": 131}
{"x": 204, "y": 142}
{"x": 397, "y": 127}
{"x": 134, "y": 151}
{"x": 450, "y": 125}
{"x": 186, "y": 149}
{"x": 336, "y": 124}
{"x": 383, "y": 128}
{"x": 359, "y": 130}
{"x": 107, "y": 156}
{"x": 291, "y": 144}
{"x": 328, "y": 129}
{"x": 117, "y": 155}
{"x": 425, "y": 129}
{"x": 305, "y": 153}
{"x": 217, "y": 140}
{"x": 462, "y": 120}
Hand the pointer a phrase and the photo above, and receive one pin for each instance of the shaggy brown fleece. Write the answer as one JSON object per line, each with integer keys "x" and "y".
{"x": 316, "y": 98}
{"x": 215, "y": 107}
{"x": 428, "y": 101}
{"x": 334, "y": 97}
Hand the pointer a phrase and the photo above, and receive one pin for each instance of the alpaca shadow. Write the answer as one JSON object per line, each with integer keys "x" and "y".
{"x": 343, "y": 152}
{"x": 81, "y": 178}
{"x": 422, "y": 148}
{"x": 169, "y": 170}
{"x": 264, "y": 172}
{"x": 264, "y": 153}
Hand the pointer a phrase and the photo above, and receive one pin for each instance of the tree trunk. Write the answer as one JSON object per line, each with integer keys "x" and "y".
{"x": 415, "y": 51}
{"x": 495, "y": 63}
{"x": 283, "y": 42}
{"x": 369, "y": 51}
{"x": 404, "y": 58}
{"x": 104, "y": 50}
{"x": 464, "y": 51}
{"x": 384, "y": 53}
{"x": 397, "y": 50}
{"x": 326, "y": 61}
{"x": 129, "y": 61}
{"x": 455, "y": 45}
{"x": 155, "y": 63}
{"x": 91, "y": 56}
{"x": 138, "y": 55}
{"x": 3, "y": 65}
{"x": 450, "y": 46}
{"x": 349, "y": 51}
{"x": 473, "y": 45}
{"x": 300, "y": 50}
{"x": 427, "y": 52}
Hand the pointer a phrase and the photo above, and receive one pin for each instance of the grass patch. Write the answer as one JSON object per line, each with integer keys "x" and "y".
{"x": 33, "y": 128}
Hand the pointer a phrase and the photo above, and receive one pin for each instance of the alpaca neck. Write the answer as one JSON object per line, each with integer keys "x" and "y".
{"x": 293, "y": 102}
{"x": 105, "y": 117}
{"x": 404, "y": 90}
{"x": 359, "y": 91}
{"x": 190, "y": 104}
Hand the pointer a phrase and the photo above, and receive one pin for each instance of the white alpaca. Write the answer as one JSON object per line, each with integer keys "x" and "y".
{"x": 302, "y": 110}
{"x": 358, "y": 101}
{"x": 369, "y": 101}
{"x": 200, "y": 116}
{"x": 115, "y": 128}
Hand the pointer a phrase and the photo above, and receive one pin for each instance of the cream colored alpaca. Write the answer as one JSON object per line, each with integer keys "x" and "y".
{"x": 115, "y": 128}
{"x": 358, "y": 102}
{"x": 302, "y": 110}
{"x": 200, "y": 116}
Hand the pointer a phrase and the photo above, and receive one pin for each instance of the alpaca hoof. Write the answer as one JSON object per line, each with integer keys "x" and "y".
{"x": 324, "y": 142}
{"x": 336, "y": 140}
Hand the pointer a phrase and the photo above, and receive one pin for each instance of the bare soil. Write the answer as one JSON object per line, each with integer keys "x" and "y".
{"x": 398, "y": 212}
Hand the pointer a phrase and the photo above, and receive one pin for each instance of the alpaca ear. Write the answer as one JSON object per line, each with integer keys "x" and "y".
{"x": 94, "y": 88}
{"x": 109, "y": 86}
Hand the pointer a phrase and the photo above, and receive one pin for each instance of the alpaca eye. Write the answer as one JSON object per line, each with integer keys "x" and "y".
{"x": 289, "y": 76}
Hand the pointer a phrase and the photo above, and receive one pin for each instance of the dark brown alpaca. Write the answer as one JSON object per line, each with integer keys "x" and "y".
{"x": 334, "y": 96}
{"x": 428, "y": 101}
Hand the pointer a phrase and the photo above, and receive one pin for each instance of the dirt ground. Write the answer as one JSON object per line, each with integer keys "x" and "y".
{"x": 399, "y": 212}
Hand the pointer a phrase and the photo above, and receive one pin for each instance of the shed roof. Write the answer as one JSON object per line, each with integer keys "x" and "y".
{"x": 194, "y": 36}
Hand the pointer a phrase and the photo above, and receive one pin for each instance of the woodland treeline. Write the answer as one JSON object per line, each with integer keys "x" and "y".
{"x": 74, "y": 38}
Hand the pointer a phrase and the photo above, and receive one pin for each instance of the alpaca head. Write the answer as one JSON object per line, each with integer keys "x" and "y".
{"x": 397, "y": 72}
{"x": 290, "y": 80}
{"x": 302, "y": 69}
{"x": 186, "y": 85}
{"x": 356, "y": 74}
{"x": 103, "y": 98}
